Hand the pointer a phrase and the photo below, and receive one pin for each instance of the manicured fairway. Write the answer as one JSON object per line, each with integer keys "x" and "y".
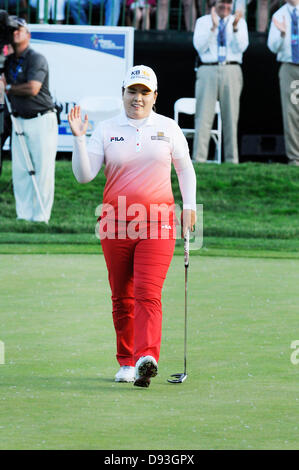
{"x": 57, "y": 389}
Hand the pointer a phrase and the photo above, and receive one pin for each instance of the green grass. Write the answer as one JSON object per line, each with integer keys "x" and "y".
{"x": 57, "y": 389}
{"x": 239, "y": 201}
{"x": 249, "y": 201}
{"x": 223, "y": 247}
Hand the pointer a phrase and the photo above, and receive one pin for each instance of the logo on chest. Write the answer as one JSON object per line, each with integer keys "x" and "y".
{"x": 160, "y": 136}
{"x": 117, "y": 139}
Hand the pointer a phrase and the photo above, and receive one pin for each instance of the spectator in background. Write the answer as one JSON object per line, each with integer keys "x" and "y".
{"x": 56, "y": 10}
{"x": 140, "y": 12}
{"x": 189, "y": 14}
{"x": 15, "y": 7}
{"x": 262, "y": 13}
{"x": 220, "y": 40}
{"x": 6, "y": 128}
{"x": 2, "y": 107}
{"x": 26, "y": 80}
{"x": 283, "y": 40}
{"x": 79, "y": 10}
{"x": 263, "y": 10}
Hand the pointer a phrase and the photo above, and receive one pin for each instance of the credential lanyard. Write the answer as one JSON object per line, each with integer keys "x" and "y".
{"x": 15, "y": 73}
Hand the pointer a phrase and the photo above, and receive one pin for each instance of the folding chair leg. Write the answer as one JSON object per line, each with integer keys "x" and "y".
{"x": 219, "y": 150}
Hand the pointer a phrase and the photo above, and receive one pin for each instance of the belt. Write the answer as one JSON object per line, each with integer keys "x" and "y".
{"x": 221, "y": 63}
{"x": 33, "y": 116}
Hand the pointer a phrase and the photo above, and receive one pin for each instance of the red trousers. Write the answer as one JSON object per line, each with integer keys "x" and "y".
{"x": 137, "y": 270}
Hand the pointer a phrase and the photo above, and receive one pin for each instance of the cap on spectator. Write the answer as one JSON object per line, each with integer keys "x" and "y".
{"x": 141, "y": 75}
{"x": 21, "y": 22}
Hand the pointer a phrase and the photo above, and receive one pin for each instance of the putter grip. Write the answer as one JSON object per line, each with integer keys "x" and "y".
{"x": 186, "y": 249}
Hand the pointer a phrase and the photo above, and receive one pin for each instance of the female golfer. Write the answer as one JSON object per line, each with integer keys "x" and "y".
{"x": 137, "y": 225}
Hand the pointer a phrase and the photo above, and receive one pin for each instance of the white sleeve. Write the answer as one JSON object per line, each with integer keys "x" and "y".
{"x": 203, "y": 37}
{"x": 184, "y": 170}
{"x": 240, "y": 39}
{"x": 86, "y": 165}
{"x": 275, "y": 41}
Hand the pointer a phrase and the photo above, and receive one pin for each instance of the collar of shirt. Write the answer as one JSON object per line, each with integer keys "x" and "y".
{"x": 123, "y": 120}
{"x": 226, "y": 19}
{"x": 23, "y": 54}
{"x": 292, "y": 8}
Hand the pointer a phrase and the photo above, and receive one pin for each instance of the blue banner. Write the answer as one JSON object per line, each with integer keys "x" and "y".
{"x": 108, "y": 43}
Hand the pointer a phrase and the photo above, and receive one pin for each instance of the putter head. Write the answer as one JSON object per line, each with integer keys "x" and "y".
{"x": 179, "y": 378}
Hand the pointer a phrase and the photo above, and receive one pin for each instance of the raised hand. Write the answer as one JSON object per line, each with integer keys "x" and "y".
{"x": 238, "y": 16}
{"x": 78, "y": 127}
{"x": 214, "y": 18}
{"x": 281, "y": 25}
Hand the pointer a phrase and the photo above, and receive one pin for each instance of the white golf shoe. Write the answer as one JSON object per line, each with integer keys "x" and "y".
{"x": 145, "y": 368}
{"x": 125, "y": 374}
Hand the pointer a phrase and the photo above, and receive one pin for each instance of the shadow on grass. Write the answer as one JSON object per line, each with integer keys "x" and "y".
{"x": 29, "y": 384}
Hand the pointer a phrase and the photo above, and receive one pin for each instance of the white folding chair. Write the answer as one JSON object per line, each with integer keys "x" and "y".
{"x": 187, "y": 106}
{"x": 99, "y": 108}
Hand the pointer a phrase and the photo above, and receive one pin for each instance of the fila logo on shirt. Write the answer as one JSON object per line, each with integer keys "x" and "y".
{"x": 117, "y": 139}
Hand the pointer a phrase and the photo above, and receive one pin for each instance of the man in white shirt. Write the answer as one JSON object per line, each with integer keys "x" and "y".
{"x": 220, "y": 40}
{"x": 283, "y": 40}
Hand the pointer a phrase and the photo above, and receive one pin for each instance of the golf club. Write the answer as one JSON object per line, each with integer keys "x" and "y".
{"x": 179, "y": 378}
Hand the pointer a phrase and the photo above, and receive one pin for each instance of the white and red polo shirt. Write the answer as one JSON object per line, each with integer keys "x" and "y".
{"x": 137, "y": 155}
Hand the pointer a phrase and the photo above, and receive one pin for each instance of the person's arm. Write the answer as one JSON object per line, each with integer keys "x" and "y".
{"x": 203, "y": 35}
{"x": 187, "y": 180}
{"x": 277, "y": 34}
{"x": 30, "y": 88}
{"x": 86, "y": 165}
{"x": 187, "y": 183}
{"x": 3, "y": 82}
{"x": 240, "y": 39}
